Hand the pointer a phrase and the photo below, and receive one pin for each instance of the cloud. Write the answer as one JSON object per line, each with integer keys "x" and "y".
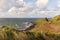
{"x": 42, "y": 14}
{"x": 42, "y": 3}
{"x": 58, "y": 4}
{"x": 19, "y": 3}
{"x": 6, "y": 4}
{"x": 49, "y": 14}
{"x": 22, "y": 9}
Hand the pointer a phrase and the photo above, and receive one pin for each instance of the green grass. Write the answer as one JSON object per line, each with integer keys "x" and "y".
{"x": 39, "y": 33}
{"x": 8, "y": 33}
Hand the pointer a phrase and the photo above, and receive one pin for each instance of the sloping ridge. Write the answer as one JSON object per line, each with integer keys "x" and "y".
{"x": 51, "y": 26}
{"x": 42, "y": 25}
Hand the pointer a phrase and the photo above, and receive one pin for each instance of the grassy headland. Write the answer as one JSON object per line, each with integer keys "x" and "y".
{"x": 44, "y": 30}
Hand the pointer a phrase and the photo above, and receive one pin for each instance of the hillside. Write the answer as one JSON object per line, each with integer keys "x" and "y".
{"x": 55, "y": 20}
{"x": 52, "y": 26}
{"x": 44, "y": 30}
{"x": 55, "y": 23}
{"x": 8, "y": 33}
{"x": 42, "y": 25}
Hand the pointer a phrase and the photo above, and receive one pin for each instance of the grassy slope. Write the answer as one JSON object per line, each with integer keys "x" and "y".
{"x": 44, "y": 30}
{"x": 8, "y": 33}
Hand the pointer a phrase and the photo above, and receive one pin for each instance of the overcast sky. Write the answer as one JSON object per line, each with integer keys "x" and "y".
{"x": 29, "y": 8}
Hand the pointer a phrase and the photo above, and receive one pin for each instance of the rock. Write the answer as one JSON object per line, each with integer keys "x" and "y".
{"x": 25, "y": 26}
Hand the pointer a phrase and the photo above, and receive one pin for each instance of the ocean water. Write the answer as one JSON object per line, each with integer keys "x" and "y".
{"x": 14, "y": 21}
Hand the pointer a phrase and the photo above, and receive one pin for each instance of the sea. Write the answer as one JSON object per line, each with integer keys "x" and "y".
{"x": 14, "y": 21}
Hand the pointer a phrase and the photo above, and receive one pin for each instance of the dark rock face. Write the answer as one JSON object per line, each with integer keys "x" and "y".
{"x": 31, "y": 26}
{"x": 46, "y": 19}
{"x": 25, "y": 26}
{"x": 28, "y": 25}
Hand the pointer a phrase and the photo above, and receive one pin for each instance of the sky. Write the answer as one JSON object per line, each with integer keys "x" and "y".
{"x": 29, "y": 8}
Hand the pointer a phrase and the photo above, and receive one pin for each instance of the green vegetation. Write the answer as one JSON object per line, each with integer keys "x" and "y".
{"x": 44, "y": 30}
{"x": 41, "y": 21}
{"x": 8, "y": 33}
{"x": 55, "y": 20}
